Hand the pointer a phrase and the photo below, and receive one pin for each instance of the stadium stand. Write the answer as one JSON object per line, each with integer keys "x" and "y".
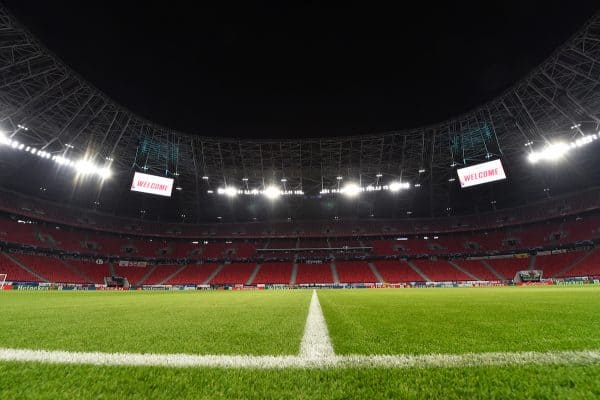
{"x": 194, "y": 274}
{"x": 133, "y": 274}
{"x": 354, "y": 272}
{"x": 588, "y": 265}
{"x": 274, "y": 273}
{"x": 543, "y": 210}
{"x": 93, "y": 272}
{"x": 441, "y": 270}
{"x": 14, "y": 272}
{"x": 235, "y": 273}
{"x": 159, "y": 274}
{"x": 397, "y": 271}
{"x": 50, "y": 268}
{"x": 314, "y": 273}
{"x": 508, "y": 267}
{"x": 478, "y": 269}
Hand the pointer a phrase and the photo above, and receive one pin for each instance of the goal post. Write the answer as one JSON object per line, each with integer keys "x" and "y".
{"x": 2, "y": 280}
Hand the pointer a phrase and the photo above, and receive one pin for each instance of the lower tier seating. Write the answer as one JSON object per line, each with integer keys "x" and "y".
{"x": 393, "y": 271}
{"x": 355, "y": 272}
{"x": 314, "y": 273}
{"x": 276, "y": 272}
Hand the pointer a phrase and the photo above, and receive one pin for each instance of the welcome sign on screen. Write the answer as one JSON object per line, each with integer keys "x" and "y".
{"x": 481, "y": 173}
{"x": 152, "y": 184}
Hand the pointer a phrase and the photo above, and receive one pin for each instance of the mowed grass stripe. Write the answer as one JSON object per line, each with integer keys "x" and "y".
{"x": 304, "y": 362}
{"x": 51, "y": 381}
{"x": 219, "y": 322}
{"x": 470, "y": 320}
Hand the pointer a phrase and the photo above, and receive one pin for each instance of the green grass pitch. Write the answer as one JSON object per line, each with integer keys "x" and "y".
{"x": 392, "y": 321}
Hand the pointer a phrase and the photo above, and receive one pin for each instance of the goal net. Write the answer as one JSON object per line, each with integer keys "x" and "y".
{"x": 2, "y": 280}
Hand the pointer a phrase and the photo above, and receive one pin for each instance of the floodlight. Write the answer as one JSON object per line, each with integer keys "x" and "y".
{"x": 552, "y": 152}
{"x": 104, "y": 173}
{"x": 272, "y": 192}
{"x": 229, "y": 191}
{"x": 351, "y": 189}
{"x": 85, "y": 167}
{"x": 397, "y": 186}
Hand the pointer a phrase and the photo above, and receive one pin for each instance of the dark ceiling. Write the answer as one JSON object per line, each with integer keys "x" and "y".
{"x": 301, "y": 69}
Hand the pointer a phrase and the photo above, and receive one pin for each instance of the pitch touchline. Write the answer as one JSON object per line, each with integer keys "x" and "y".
{"x": 316, "y": 351}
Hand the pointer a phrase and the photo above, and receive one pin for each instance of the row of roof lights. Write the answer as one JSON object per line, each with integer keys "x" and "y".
{"x": 82, "y": 166}
{"x": 353, "y": 189}
{"x": 556, "y": 151}
{"x": 270, "y": 192}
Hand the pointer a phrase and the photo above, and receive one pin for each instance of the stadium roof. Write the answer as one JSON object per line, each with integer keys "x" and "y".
{"x": 46, "y": 105}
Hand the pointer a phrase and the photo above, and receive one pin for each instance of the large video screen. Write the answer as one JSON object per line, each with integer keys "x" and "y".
{"x": 152, "y": 184}
{"x": 481, "y": 173}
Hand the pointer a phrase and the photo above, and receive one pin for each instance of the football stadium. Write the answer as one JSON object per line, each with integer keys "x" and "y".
{"x": 455, "y": 259}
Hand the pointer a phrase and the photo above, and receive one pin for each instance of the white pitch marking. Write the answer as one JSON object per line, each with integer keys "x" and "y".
{"x": 583, "y": 357}
{"x": 316, "y": 343}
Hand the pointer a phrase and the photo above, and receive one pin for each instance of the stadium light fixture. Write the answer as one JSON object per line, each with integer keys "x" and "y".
{"x": 85, "y": 167}
{"x": 552, "y": 152}
{"x": 397, "y": 186}
{"x": 104, "y": 173}
{"x": 228, "y": 191}
{"x": 272, "y": 192}
{"x": 351, "y": 190}
{"x": 556, "y": 151}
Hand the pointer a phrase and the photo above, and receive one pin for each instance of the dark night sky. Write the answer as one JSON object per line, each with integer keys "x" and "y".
{"x": 287, "y": 69}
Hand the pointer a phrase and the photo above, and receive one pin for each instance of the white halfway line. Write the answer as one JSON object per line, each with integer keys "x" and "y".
{"x": 316, "y": 343}
{"x": 316, "y": 351}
